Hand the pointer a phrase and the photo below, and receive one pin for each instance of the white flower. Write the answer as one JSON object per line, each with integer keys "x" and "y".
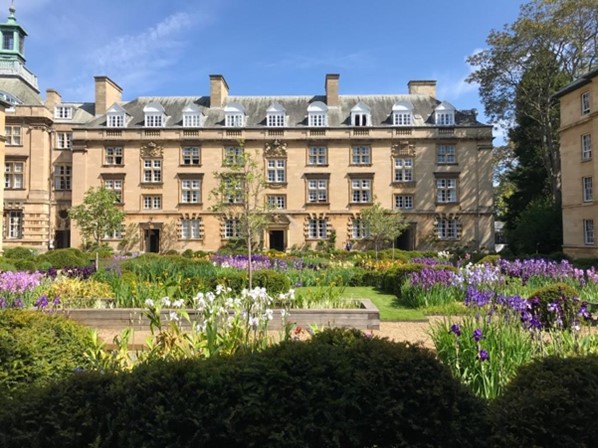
{"x": 269, "y": 314}
{"x": 165, "y": 301}
{"x": 149, "y": 303}
{"x": 254, "y": 322}
{"x": 283, "y": 313}
{"x": 219, "y": 289}
{"x": 173, "y": 316}
{"x": 178, "y": 303}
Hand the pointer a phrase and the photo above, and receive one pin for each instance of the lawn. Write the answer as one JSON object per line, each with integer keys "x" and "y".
{"x": 390, "y": 310}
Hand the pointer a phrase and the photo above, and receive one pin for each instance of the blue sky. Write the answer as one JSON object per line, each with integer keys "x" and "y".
{"x": 262, "y": 47}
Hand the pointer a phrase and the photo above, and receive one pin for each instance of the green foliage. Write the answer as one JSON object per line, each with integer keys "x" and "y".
{"x": 19, "y": 253}
{"x": 77, "y": 293}
{"x": 274, "y": 282}
{"x": 65, "y": 258}
{"x": 538, "y": 229}
{"x": 37, "y": 348}
{"x": 551, "y": 402}
{"x": 382, "y": 225}
{"x": 25, "y": 264}
{"x": 560, "y": 295}
{"x": 489, "y": 259}
{"x": 339, "y": 389}
{"x": 392, "y": 279}
{"x": 7, "y": 265}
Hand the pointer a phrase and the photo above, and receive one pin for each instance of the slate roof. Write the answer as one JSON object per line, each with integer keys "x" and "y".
{"x": 21, "y": 90}
{"x": 296, "y": 110}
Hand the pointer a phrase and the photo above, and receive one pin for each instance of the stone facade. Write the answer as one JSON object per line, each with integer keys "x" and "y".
{"x": 579, "y": 167}
{"x": 326, "y": 157}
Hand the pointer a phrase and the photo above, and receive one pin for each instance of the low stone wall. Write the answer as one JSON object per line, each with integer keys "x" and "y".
{"x": 365, "y": 318}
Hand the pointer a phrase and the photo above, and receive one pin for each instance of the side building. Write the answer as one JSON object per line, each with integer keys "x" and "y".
{"x": 579, "y": 167}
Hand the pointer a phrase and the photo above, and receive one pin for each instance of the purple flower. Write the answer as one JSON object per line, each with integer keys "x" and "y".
{"x": 553, "y": 307}
{"x": 56, "y": 300}
{"x": 455, "y": 329}
{"x": 41, "y": 302}
{"x": 2, "y": 303}
{"x": 477, "y": 334}
{"x": 483, "y": 355}
{"x": 18, "y": 303}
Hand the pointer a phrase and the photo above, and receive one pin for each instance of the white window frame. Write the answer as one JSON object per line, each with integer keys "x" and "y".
{"x": 191, "y": 191}
{"x": 586, "y": 147}
{"x": 277, "y": 201}
{"x": 360, "y": 119}
{"x": 152, "y": 171}
{"x": 232, "y": 229}
{"x": 447, "y": 228}
{"x": 445, "y": 118}
{"x": 403, "y": 169}
{"x": 586, "y": 107}
{"x": 115, "y": 186}
{"x": 154, "y": 120}
{"x": 402, "y": 119}
{"x": 14, "y": 224}
{"x": 14, "y": 175}
{"x": 361, "y": 155}
{"x": 275, "y": 119}
{"x": 233, "y": 155}
{"x": 152, "y": 202}
{"x": 13, "y": 135}
{"x": 446, "y": 154}
{"x": 191, "y": 229}
{"x": 586, "y": 187}
{"x": 403, "y": 202}
{"x": 114, "y": 155}
{"x": 361, "y": 191}
{"x": 191, "y": 155}
{"x": 63, "y": 177}
{"x": 64, "y": 140}
{"x": 358, "y": 230}
{"x": 116, "y": 234}
{"x": 446, "y": 190}
{"x": 191, "y": 120}
{"x": 317, "y": 156}
{"x": 63, "y": 112}
{"x": 317, "y": 229}
{"x": 588, "y": 232}
{"x": 116, "y": 120}
{"x": 317, "y": 191}
{"x": 276, "y": 171}
{"x": 317, "y": 115}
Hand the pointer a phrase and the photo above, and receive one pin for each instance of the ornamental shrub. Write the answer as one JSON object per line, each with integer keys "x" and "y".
{"x": 489, "y": 259}
{"x": 19, "y": 253}
{"x": 6, "y": 265}
{"x": 555, "y": 305}
{"x": 37, "y": 347}
{"x": 65, "y": 258}
{"x": 339, "y": 389}
{"x": 551, "y": 402}
{"x": 275, "y": 282}
{"x": 394, "y": 278}
{"x": 25, "y": 264}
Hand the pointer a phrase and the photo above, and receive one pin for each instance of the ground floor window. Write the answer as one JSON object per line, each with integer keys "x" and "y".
{"x": 317, "y": 229}
{"x": 447, "y": 228}
{"x": 588, "y": 231}
{"x": 190, "y": 229}
{"x": 13, "y": 224}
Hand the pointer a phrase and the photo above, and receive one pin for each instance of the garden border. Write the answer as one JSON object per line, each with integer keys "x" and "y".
{"x": 365, "y": 318}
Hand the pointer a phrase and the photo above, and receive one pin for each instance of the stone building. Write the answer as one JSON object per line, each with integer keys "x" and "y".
{"x": 579, "y": 168}
{"x": 325, "y": 157}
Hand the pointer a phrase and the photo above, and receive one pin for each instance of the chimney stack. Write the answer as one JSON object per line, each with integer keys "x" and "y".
{"x": 53, "y": 99}
{"x": 218, "y": 90}
{"x": 422, "y": 88}
{"x": 332, "y": 90}
{"x": 107, "y": 93}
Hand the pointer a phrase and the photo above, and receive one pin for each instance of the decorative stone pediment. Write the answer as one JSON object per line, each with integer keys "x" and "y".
{"x": 274, "y": 149}
{"x": 152, "y": 151}
{"x": 403, "y": 148}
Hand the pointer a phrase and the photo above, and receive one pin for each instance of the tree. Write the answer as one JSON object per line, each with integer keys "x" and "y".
{"x": 551, "y": 43}
{"x": 381, "y": 225}
{"x": 239, "y": 197}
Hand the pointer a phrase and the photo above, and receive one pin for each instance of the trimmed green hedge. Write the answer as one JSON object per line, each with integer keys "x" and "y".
{"x": 339, "y": 389}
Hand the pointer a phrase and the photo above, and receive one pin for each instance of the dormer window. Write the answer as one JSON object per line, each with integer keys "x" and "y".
{"x": 115, "y": 117}
{"x": 191, "y": 116}
{"x": 275, "y": 115}
{"x": 360, "y": 115}
{"x": 154, "y": 115}
{"x": 63, "y": 112}
{"x": 234, "y": 115}
{"x": 317, "y": 114}
{"x": 444, "y": 114}
{"x": 402, "y": 114}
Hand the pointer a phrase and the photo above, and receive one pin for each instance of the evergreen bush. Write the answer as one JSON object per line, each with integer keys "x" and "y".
{"x": 555, "y": 305}
{"x": 65, "y": 258}
{"x": 275, "y": 282}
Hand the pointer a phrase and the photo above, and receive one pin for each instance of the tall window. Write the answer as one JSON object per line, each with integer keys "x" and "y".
{"x": 447, "y": 228}
{"x": 317, "y": 155}
{"x": 64, "y": 140}
{"x": 63, "y": 112}
{"x": 13, "y": 222}
{"x": 233, "y": 155}
{"x": 8, "y": 40}
{"x": 233, "y": 189}
{"x": 586, "y": 184}
{"x": 13, "y": 175}
{"x": 585, "y": 103}
{"x": 113, "y": 155}
{"x": 403, "y": 201}
{"x": 317, "y": 191}
{"x": 152, "y": 170}
{"x": 446, "y": 154}
{"x": 446, "y": 190}
{"x": 276, "y": 172}
{"x": 361, "y": 155}
{"x": 403, "y": 170}
{"x": 190, "y": 155}
{"x": 586, "y": 147}
{"x": 359, "y": 230}
{"x": 361, "y": 191}
{"x": 317, "y": 229}
{"x": 62, "y": 177}
{"x": 232, "y": 228}
{"x": 277, "y": 201}
{"x": 13, "y": 135}
{"x": 191, "y": 229}
{"x": 190, "y": 191}
{"x": 152, "y": 202}
{"x": 588, "y": 231}
{"x": 115, "y": 186}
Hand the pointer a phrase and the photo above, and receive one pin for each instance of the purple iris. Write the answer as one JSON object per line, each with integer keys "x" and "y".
{"x": 456, "y": 330}
{"x": 477, "y": 334}
{"x": 483, "y": 355}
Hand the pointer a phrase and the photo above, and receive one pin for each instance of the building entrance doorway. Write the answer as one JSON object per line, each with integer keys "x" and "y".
{"x": 406, "y": 240}
{"x": 152, "y": 240}
{"x": 62, "y": 239}
{"x": 277, "y": 240}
